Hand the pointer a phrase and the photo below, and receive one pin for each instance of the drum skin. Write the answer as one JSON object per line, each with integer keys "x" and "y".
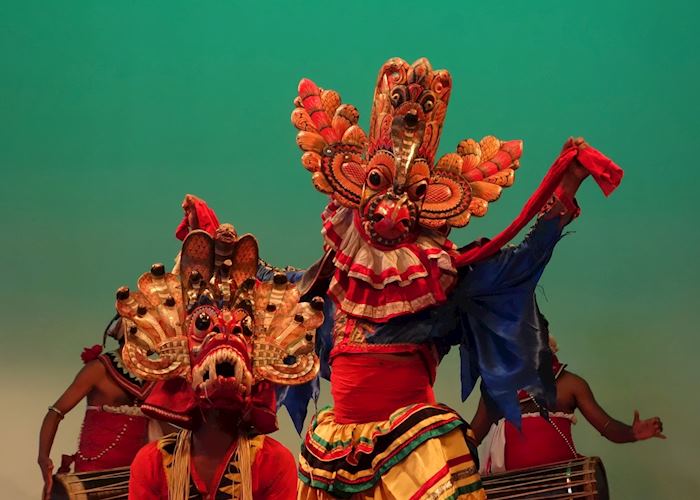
{"x": 582, "y": 478}
{"x": 110, "y": 484}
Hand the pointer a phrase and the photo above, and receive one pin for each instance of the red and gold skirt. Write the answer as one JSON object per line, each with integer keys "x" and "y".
{"x": 420, "y": 451}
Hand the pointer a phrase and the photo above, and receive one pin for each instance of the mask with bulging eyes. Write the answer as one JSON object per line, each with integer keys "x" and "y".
{"x": 218, "y": 327}
{"x": 220, "y": 356}
{"x": 390, "y": 175}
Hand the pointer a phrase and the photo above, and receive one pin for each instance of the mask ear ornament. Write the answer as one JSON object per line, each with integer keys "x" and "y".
{"x": 463, "y": 183}
{"x": 332, "y": 142}
{"x": 155, "y": 347}
{"x": 284, "y": 335}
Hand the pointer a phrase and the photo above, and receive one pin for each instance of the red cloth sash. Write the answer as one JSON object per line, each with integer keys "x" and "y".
{"x": 370, "y": 387}
{"x": 606, "y": 174}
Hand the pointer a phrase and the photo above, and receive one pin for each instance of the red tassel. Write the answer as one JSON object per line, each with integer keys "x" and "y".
{"x": 604, "y": 171}
{"x": 91, "y": 353}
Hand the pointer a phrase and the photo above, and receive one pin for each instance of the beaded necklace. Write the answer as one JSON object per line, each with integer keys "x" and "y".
{"x": 545, "y": 415}
{"x": 109, "y": 447}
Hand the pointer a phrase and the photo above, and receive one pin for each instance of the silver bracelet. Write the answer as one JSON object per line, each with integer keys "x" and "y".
{"x": 57, "y": 411}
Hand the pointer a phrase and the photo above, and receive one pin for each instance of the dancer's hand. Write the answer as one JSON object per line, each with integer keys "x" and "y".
{"x": 577, "y": 171}
{"x": 647, "y": 428}
{"x": 188, "y": 206}
{"x": 46, "y": 466}
{"x": 189, "y": 201}
{"x": 574, "y": 175}
{"x": 579, "y": 142}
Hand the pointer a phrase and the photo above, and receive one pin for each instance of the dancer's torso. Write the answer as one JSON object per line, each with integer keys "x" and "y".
{"x": 369, "y": 381}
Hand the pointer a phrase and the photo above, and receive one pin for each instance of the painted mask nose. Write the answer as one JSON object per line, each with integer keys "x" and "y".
{"x": 392, "y": 219}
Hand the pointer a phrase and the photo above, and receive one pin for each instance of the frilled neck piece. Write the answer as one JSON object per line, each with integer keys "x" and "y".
{"x": 378, "y": 284}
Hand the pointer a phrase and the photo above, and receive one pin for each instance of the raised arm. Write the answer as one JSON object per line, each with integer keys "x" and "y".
{"x": 610, "y": 428}
{"x": 522, "y": 265}
{"x": 575, "y": 162}
{"x": 84, "y": 382}
{"x": 572, "y": 178}
{"x": 499, "y": 282}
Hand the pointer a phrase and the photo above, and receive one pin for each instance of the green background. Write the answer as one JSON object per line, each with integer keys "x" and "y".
{"x": 111, "y": 111}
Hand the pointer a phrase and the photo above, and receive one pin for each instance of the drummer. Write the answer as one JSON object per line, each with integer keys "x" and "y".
{"x": 545, "y": 440}
{"x": 113, "y": 428}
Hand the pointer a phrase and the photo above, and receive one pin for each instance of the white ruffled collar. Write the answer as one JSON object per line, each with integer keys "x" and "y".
{"x": 379, "y": 267}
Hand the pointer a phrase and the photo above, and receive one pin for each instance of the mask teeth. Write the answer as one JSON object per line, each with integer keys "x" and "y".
{"x": 238, "y": 370}
{"x": 241, "y": 373}
{"x": 248, "y": 382}
{"x": 212, "y": 369}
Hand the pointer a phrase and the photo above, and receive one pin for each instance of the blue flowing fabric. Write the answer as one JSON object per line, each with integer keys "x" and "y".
{"x": 267, "y": 272}
{"x": 491, "y": 315}
{"x": 503, "y": 336}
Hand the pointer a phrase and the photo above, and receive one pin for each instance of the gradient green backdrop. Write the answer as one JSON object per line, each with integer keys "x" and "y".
{"x": 111, "y": 111}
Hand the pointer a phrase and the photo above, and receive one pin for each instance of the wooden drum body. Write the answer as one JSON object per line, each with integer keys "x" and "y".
{"x": 582, "y": 478}
{"x": 110, "y": 484}
{"x": 579, "y": 478}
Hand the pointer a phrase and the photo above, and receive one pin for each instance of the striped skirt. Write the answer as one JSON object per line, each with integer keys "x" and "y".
{"x": 421, "y": 451}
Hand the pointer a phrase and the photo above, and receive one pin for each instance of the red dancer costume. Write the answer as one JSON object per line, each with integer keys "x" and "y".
{"x": 114, "y": 429}
{"x": 545, "y": 435}
{"x": 273, "y": 472}
{"x": 112, "y": 435}
{"x": 540, "y": 440}
{"x": 404, "y": 293}
{"x": 217, "y": 339}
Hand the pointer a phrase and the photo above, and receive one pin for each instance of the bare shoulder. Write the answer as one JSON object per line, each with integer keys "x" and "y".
{"x": 94, "y": 366}
{"x": 571, "y": 379}
{"x": 570, "y": 384}
{"x": 101, "y": 379}
{"x": 92, "y": 371}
